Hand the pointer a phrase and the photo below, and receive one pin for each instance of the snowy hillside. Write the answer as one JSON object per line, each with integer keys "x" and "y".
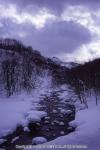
{"x": 21, "y": 68}
{"x": 66, "y": 64}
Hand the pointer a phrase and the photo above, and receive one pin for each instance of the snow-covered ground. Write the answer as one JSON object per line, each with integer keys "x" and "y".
{"x": 11, "y": 114}
{"x": 87, "y": 133}
{"x": 18, "y": 110}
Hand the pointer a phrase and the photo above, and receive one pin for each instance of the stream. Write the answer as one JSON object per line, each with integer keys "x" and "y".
{"x": 59, "y": 114}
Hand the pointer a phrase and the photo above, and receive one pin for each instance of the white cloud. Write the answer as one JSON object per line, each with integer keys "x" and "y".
{"x": 84, "y": 54}
{"x": 88, "y": 19}
{"x": 80, "y": 15}
{"x": 39, "y": 20}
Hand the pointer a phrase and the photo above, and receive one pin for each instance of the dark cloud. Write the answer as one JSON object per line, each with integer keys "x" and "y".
{"x": 59, "y": 37}
{"x": 55, "y": 38}
{"x": 55, "y": 6}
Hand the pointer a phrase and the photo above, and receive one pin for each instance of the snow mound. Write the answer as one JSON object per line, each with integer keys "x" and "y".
{"x": 39, "y": 140}
{"x": 66, "y": 112}
{"x": 61, "y": 123}
{"x": 26, "y": 129}
{"x": 11, "y": 114}
{"x": 62, "y": 132}
{"x": 16, "y": 111}
{"x": 36, "y": 116}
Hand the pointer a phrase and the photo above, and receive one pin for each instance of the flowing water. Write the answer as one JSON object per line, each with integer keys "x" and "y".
{"x": 59, "y": 114}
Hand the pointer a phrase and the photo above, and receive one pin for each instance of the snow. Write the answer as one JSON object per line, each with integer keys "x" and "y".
{"x": 39, "y": 140}
{"x": 70, "y": 128}
{"x": 62, "y": 132}
{"x": 87, "y": 133}
{"x": 54, "y": 111}
{"x": 46, "y": 122}
{"x": 11, "y": 114}
{"x": 17, "y": 110}
{"x": 20, "y": 109}
{"x": 35, "y": 116}
{"x": 66, "y": 111}
{"x": 47, "y": 118}
{"x": 61, "y": 123}
{"x": 26, "y": 129}
{"x": 14, "y": 139}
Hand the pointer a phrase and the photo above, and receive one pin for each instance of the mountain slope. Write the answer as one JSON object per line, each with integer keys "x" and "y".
{"x": 22, "y": 67}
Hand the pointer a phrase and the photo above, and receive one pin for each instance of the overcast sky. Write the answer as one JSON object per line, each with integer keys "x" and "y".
{"x": 67, "y": 29}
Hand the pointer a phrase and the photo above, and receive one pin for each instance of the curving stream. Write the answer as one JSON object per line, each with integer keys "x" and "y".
{"x": 59, "y": 114}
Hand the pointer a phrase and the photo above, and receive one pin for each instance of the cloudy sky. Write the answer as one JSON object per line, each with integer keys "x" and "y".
{"x": 67, "y": 29}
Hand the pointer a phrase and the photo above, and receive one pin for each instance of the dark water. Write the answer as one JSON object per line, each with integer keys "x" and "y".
{"x": 50, "y": 127}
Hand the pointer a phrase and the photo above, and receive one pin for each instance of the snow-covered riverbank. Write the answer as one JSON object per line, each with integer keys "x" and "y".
{"x": 87, "y": 134}
{"x": 18, "y": 110}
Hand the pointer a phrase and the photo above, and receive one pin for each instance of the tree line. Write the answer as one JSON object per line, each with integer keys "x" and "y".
{"x": 85, "y": 80}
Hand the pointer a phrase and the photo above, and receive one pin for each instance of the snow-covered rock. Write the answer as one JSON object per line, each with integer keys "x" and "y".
{"x": 54, "y": 111}
{"x": 69, "y": 128}
{"x": 26, "y": 129}
{"x": 46, "y": 121}
{"x": 62, "y": 132}
{"x": 61, "y": 123}
{"x": 47, "y": 118}
{"x": 63, "y": 111}
{"x": 35, "y": 116}
{"x": 39, "y": 140}
{"x": 73, "y": 124}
